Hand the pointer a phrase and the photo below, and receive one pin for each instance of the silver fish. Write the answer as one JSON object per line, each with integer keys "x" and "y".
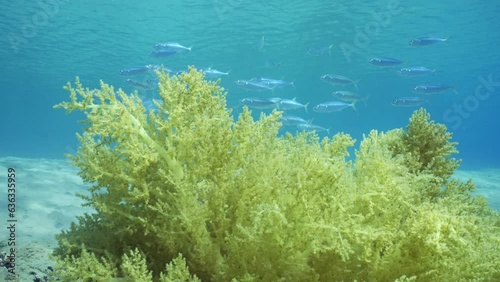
{"x": 415, "y": 71}
{"x": 291, "y": 104}
{"x": 292, "y": 120}
{"x": 160, "y": 68}
{"x": 348, "y": 96}
{"x": 260, "y": 103}
{"x": 332, "y": 106}
{"x": 385, "y": 62}
{"x": 312, "y": 127}
{"x": 213, "y": 73}
{"x": 140, "y": 85}
{"x": 173, "y": 46}
{"x": 252, "y": 85}
{"x": 408, "y": 102}
{"x": 136, "y": 70}
{"x": 153, "y": 81}
{"x": 273, "y": 83}
{"x": 433, "y": 88}
{"x": 426, "y": 40}
{"x": 319, "y": 51}
{"x": 336, "y": 79}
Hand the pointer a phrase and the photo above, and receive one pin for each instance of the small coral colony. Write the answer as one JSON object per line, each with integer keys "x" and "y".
{"x": 144, "y": 79}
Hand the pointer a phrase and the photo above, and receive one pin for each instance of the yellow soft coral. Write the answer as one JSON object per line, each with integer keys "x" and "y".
{"x": 241, "y": 203}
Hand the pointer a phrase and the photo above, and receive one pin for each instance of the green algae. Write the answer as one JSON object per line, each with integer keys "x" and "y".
{"x": 189, "y": 193}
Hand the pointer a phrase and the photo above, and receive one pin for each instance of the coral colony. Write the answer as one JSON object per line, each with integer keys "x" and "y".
{"x": 189, "y": 193}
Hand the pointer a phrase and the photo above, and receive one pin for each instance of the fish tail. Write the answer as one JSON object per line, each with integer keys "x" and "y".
{"x": 353, "y": 105}
{"x": 305, "y": 106}
{"x": 356, "y": 84}
{"x": 330, "y": 49}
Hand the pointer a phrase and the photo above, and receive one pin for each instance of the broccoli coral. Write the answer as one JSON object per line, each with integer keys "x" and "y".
{"x": 187, "y": 193}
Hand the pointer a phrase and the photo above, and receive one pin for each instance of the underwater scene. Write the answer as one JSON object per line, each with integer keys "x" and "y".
{"x": 232, "y": 140}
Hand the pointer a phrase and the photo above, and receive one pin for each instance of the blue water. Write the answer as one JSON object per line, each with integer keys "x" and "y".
{"x": 46, "y": 45}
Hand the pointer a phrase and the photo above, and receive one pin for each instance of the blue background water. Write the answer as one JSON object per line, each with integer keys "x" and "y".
{"x": 44, "y": 46}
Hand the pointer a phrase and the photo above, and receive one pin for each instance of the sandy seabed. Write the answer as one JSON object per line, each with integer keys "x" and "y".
{"x": 46, "y": 204}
